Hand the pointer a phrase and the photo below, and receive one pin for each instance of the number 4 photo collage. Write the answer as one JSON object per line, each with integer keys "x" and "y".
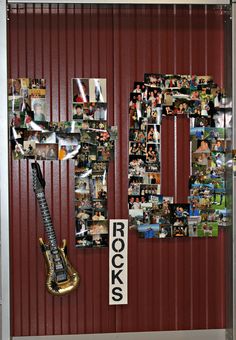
{"x": 200, "y": 100}
{"x": 86, "y": 139}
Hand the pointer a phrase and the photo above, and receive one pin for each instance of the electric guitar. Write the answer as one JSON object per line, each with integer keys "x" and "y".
{"x": 61, "y": 276}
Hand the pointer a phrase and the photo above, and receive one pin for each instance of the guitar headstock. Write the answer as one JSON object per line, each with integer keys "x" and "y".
{"x": 38, "y": 180}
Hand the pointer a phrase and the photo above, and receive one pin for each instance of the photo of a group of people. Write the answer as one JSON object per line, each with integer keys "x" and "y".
{"x": 202, "y": 101}
{"x": 26, "y": 102}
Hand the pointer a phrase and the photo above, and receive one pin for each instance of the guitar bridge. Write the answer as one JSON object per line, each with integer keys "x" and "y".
{"x": 61, "y": 276}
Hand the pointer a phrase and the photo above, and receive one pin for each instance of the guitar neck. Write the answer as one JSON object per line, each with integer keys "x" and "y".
{"x": 47, "y": 221}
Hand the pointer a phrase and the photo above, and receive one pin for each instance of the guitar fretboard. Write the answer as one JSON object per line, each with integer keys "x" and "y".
{"x": 61, "y": 275}
{"x": 38, "y": 186}
{"x": 47, "y": 221}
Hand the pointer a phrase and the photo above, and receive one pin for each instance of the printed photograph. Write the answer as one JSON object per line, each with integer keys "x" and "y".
{"x": 214, "y": 134}
{"x": 165, "y": 231}
{"x": 137, "y": 166}
{"x": 154, "y": 80}
{"x": 134, "y": 187}
{"x": 148, "y": 231}
{"x": 134, "y": 203}
{"x": 15, "y": 103}
{"x": 154, "y": 115}
{"x": 18, "y": 151}
{"x": 152, "y": 178}
{"x": 82, "y": 185}
{"x": 152, "y": 155}
{"x": 38, "y": 106}
{"x": 97, "y": 90}
{"x": 32, "y": 136}
{"x": 201, "y": 159}
{"x": 168, "y": 110}
{"x": 99, "y": 187}
{"x": 29, "y": 149}
{"x": 179, "y": 214}
{"x": 137, "y": 148}
{"x": 99, "y": 168}
{"x": 201, "y": 146}
{"x": 183, "y": 106}
{"x": 47, "y": 152}
{"x": 197, "y": 133}
{"x": 83, "y": 214}
{"x": 153, "y": 134}
{"x": 36, "y": 84}
{"x": 95, "y": 111}
{"x": 16, "y": 119}
{"x": 193, "y": 222}
{"x": 180, "y": 231}
{"x": 207, "y": 229}
{"x": 85, "y": 203}
{"x": 139, "y": 87}
{"x": 99, "y": 204}
{"x": 98, "y": 126}
{"x": 137, "y": 136}
{"x": 153, "y": 189}
{"x": 99, "y": 226}
{"x": 80, "y": 90}
{"x": 48, "y": 138}
{"x": 66, "y": 152}
{"x": 78, "y": 112}
{"x": 219, "y": 146}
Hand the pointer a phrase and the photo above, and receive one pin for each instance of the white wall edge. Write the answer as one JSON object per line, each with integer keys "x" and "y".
{"x": 4, "y": 176}
{"x": 211, "y": 334}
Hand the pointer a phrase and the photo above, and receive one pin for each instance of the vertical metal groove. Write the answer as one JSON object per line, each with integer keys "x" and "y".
{"x": 205, "y": 39}
{"x": 59, "y": 63}
{"x": 175, "y": 161}
{"x": 175, "y": 46}
{"x": 190, "y": 40}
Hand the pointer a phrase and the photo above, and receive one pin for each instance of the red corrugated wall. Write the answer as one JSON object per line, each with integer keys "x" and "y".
{"x": 173, "y": 284}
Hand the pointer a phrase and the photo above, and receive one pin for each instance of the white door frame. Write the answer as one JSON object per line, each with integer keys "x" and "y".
{"x": 4, "y": 165}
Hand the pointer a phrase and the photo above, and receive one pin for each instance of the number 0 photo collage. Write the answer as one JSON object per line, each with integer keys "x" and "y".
{"x": 201, "y": 100}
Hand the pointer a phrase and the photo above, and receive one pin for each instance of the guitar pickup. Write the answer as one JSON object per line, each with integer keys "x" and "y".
{"x": 58, "y": 266}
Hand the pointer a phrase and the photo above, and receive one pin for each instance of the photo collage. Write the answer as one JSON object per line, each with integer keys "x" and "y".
{"x": 86, "y": 139}
{"x": 26, "y": 102}
{"x": 89, "y": 107}
{"x": 200, "y": 100}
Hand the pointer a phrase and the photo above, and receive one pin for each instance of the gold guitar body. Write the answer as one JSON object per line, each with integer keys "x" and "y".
{"x": 54, "y": 286}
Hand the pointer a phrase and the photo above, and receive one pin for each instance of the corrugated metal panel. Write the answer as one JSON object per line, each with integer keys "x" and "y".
{"x": 173, "y": 284}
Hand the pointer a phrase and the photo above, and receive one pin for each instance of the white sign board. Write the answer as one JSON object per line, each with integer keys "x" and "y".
{"x": 118, "y": 262}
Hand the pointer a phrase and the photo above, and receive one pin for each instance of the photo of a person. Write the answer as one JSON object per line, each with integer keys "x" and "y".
{"x": 152, "y": 155}
{"x": 80, "y": 90}
{"x": 78, "y": 112}
{"x": 203, "y": 147}
{"x": 38, "y": 106}
{"x": 97, "y": 90}
{"x": 218, "y": 146}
